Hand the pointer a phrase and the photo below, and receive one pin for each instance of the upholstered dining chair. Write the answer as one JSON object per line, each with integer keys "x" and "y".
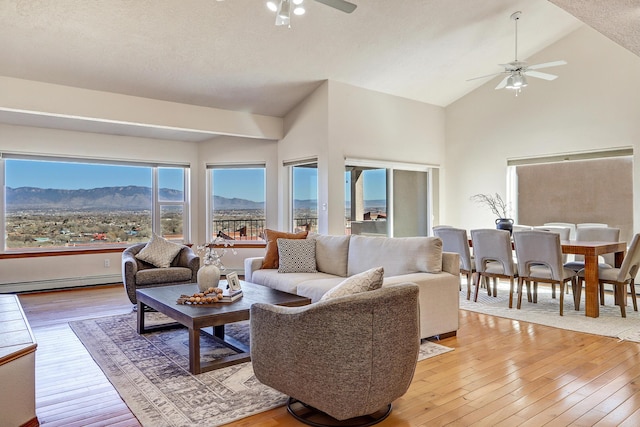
{"x": 348, "y": 357}
{"x": 455, "y": 240}
{"x": 569, "y": 225}
{"x": 564, "y": 232}
{"x": 595, "y": 234}
{"x": 539, "y": 256}
{"x": 619, "y": 278}
{"x": 493, "y": 257}
{"x": 591, "y": 225}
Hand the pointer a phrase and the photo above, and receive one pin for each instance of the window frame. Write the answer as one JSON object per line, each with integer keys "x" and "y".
{"x": 155, "y": 202}
{"x": 210, "y": 167}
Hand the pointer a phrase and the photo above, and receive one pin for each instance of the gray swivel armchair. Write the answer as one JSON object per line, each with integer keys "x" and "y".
{"x": 347, "y": 358}
{"x": 138, "y": 274}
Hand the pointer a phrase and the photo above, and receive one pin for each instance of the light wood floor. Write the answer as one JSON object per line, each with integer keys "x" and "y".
{"x": 502, "y": 373}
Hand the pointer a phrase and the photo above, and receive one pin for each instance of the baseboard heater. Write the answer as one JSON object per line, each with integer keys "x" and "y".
{"x": 51, "y": 284}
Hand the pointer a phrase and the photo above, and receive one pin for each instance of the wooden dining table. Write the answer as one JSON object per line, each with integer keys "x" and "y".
{"x": 590, "y": 251}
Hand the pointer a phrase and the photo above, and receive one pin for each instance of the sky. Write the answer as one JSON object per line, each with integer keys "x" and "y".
{"x": 240, "y": 183}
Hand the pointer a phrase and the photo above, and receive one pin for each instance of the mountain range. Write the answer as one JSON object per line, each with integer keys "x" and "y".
{"x": 123, "y": 199}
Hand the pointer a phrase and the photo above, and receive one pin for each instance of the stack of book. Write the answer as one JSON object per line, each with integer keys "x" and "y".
{"x": 229, "y": 296}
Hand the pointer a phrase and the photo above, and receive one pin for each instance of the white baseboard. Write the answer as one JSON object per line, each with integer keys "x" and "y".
{"x": 71, "y": 282}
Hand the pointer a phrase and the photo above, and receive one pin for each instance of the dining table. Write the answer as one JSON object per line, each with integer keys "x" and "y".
{"x": 591, "y": 251}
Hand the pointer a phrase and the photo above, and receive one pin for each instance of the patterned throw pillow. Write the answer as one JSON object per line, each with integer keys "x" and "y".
{"x": 297, "y": 256}
{"x": 159, "y": 252}
{"x": 369, "y": 280}
{"x": 271, "y": 236}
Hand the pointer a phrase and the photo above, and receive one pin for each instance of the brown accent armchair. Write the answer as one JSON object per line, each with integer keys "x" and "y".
{"x": 347, "y": 357}
{"x": 138, "y": 274}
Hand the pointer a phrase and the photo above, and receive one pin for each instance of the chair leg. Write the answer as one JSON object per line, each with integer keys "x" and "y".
{"x": 529, "y": 297}
{"x": 495, "y": 287}
{"x": 479, "y": 278}
{"x": 511, "y": 292}
{"x": 520, "y": 292}
{"x": 535, "y": 292}
{"x": 621, "y": 291}
{"x": 601, "y": 288}
{"x": 553, "y": 290}
{"x": 632, "y": 288}
{"x": 561, "y": 298}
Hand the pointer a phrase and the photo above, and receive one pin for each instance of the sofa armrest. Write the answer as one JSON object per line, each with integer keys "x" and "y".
{"x": 451, "y": 263}
{"x": 251, "y": 265}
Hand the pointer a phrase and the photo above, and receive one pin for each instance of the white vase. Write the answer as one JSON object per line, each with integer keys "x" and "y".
{"x": 208, "y": 277}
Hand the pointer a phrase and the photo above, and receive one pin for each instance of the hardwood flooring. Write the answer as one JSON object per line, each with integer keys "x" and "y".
{"x": 502, "y": 373}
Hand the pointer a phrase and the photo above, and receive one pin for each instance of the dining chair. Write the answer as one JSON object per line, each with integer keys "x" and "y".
{"x": 591, "y": 225}
{"x": 520, "y": 227}
{"x": 493, "y": 257}
{"x": 595, "y": 234}
{"x": 539, "y": 256}
{"x": 456, "y": 240}
{"x": 618, "y": 277}
{"x": 569, "y": 225}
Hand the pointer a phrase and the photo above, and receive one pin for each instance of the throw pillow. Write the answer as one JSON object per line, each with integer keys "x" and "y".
{"x": 297, "y": 256}
{"x": 271, "y": 236}
{"x": 159, "y": 252}
{"x": 331, "y": 253}
{"x": 369, "y": 280}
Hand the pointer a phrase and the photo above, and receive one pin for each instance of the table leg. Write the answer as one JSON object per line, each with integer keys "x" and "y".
{"x": 140, "y": 318}
{"x": 591, "y": 306}
{"x": 194, "y": 351}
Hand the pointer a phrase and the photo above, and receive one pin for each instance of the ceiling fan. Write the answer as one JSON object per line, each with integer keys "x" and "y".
{"x": 283, "y": 8}
{"x": 518, "y": 71}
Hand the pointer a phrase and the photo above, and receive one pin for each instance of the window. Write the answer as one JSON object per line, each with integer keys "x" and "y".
{"x": 366, "y": 200}
{"x": 304, "y": 200}
{"x": 67, "y": 203}
{"x": 236, "y": 202}
{"x": 389, "y": 199}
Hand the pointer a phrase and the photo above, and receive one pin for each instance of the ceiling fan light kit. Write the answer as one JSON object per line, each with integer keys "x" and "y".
{"x": 283, "y": 8}
{"x": 517, "y": 71}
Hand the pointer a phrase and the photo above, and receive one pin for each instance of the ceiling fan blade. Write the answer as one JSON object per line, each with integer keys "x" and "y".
{"x": 546, "y": 65}
{"x": 488, "y": 75}
{"x": 342, "y": 5}
{"x": 502, "y": 83}
{"x": 540, "y": 75}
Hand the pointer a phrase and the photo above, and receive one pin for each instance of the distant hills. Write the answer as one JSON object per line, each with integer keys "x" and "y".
{"x": 123, "y": 198}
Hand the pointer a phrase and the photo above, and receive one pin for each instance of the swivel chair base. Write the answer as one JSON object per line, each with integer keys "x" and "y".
{"x": 311, "y": 416}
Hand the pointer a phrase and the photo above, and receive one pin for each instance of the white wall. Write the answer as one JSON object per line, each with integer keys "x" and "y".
{"x": 593, "y": 105}
{"x": 370, "y": 125}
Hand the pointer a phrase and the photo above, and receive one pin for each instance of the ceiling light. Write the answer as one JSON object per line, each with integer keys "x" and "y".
{"x": 272, "y": 6}
{"x": 283, "y": 15}
{"x": 299, "y": 10}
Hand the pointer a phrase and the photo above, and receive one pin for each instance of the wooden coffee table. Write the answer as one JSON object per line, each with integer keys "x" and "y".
{"x": 196, "y": 317}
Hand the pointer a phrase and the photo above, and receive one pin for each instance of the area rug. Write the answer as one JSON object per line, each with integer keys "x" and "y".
{"x": 547, "y": 312}
{"x": 151, "y": 373}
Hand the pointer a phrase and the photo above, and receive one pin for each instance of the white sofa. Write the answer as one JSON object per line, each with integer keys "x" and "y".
{"x": 418, "y": 260}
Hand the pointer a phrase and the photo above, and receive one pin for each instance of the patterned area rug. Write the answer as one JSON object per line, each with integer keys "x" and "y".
{"x": 547, "y": 312}
{"x": 151, "y": 373}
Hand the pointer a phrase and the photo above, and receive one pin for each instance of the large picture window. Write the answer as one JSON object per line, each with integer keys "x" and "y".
{"x": 52, "y": 203}
{"x": 237, "y": 202}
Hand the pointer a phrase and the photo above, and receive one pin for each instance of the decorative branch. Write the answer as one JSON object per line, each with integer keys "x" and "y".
{"x": 495, "y": 203}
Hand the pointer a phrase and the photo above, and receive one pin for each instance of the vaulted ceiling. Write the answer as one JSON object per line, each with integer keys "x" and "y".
{"x": 230, "y": 55}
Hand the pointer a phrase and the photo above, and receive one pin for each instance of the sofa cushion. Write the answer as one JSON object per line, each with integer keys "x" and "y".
{"x": 272, "y": 236}
{"x": 159, "y": 252}
{"x": 366, "y": 281}
{"x": 398, "y": 255}
{"x": 297, "y": 256}
{"x": 166, "y": 275}
{"x": 270, "y": 278}
{"x": 331, "y": 253}
{"x": 314, "y": 289}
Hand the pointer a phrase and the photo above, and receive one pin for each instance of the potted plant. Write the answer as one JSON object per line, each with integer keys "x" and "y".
{"x": 498, "y": 206}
